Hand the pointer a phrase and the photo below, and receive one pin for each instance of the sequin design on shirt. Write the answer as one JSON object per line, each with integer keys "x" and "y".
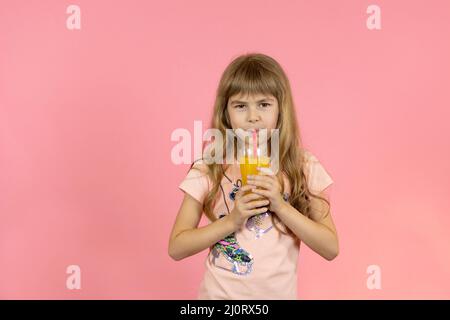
{"x": 235, "y": 190}
{"x": 256, "y": 223}
{"x": 240, "y": 261}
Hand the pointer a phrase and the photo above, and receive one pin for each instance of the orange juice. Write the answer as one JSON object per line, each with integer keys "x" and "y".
{"x": 249, "y": 164}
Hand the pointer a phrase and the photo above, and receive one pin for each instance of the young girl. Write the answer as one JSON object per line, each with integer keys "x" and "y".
{"x": 255, "y": 231}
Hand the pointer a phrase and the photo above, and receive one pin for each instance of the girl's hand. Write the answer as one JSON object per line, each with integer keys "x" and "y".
{"x": 271, "y": 189}
{"x": 246, "y": 205}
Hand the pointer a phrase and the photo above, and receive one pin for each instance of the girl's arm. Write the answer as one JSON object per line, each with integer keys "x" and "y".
{"x": 317, "y": 232}
{"x": 186, "y": 239}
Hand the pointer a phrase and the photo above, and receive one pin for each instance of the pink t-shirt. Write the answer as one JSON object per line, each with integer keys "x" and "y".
{"x": 256, "y": 262}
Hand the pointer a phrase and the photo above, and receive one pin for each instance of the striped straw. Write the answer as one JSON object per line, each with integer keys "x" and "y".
{"x": 255, "y": 143}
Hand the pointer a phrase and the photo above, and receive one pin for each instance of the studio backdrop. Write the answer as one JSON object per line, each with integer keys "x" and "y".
{"x": 92, "y": 91}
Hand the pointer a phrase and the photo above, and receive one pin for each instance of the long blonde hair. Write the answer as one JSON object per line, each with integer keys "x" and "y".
{"x": 256, "y": 73}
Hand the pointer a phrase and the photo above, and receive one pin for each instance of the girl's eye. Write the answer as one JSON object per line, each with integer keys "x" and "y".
{"x": 242, "y": 106}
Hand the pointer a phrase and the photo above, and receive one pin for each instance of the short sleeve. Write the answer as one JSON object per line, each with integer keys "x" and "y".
{"x": 196, "y": 183}
{"x": 317, "y": 177}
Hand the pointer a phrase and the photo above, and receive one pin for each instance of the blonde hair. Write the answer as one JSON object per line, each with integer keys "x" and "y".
{"x": 256, "y": 73}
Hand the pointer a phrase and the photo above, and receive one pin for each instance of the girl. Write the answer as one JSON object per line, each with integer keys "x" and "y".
{"x": 255, "y": 231}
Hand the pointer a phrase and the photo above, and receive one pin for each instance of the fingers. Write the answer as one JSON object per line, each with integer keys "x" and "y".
{"x": 262, "y": 192}
{"x": 257, "y": 211}
{"x": 243, "y": 190}
{"x": 265, "y": 171}
{"x": 251, "y": 196}
{"x": 262, "y": 177}
{"x": 256, "y": 204}
{"x": 260, "y": 183}
{"x": 247, "y": 187}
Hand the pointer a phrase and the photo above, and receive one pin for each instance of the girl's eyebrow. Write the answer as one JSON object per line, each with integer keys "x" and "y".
{"x": 265, "y": 99}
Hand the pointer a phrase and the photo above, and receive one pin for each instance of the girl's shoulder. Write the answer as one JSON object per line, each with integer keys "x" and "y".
{"x": 200, "y": 165}
{"x": 309, "y": 157}
{"x": 317, "y": 176}
{"x": 200, "y": 169}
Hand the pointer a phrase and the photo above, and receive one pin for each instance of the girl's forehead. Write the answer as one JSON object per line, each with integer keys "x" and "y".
{"x": 252, "y": 97}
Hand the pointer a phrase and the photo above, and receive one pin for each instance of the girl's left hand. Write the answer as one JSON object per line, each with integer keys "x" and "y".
{"x": 271, "y": 189}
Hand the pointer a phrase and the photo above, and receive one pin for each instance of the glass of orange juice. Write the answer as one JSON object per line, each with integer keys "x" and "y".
{"x": 249, "y": 163}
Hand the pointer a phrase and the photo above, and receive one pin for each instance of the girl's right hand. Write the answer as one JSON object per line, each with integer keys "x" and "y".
{"x": 247, "y": 205}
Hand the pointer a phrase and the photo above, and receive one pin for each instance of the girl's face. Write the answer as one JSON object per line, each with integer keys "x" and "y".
{"x": 253, "y": 112}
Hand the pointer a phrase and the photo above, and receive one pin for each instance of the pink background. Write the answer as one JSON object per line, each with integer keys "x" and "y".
{"x": 86, "y": 116}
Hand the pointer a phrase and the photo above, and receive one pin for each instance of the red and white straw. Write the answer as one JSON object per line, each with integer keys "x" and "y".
{"x": 255, "y": 143}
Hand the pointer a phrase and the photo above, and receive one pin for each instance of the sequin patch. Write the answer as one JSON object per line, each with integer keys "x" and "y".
{"x": 233, "y": 192}
{"x": 255, "y": 224}
{"x": 237, "y": 260}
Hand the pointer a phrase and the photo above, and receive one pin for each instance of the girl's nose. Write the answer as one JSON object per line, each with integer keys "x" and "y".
{"x": 253, "y": 115}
